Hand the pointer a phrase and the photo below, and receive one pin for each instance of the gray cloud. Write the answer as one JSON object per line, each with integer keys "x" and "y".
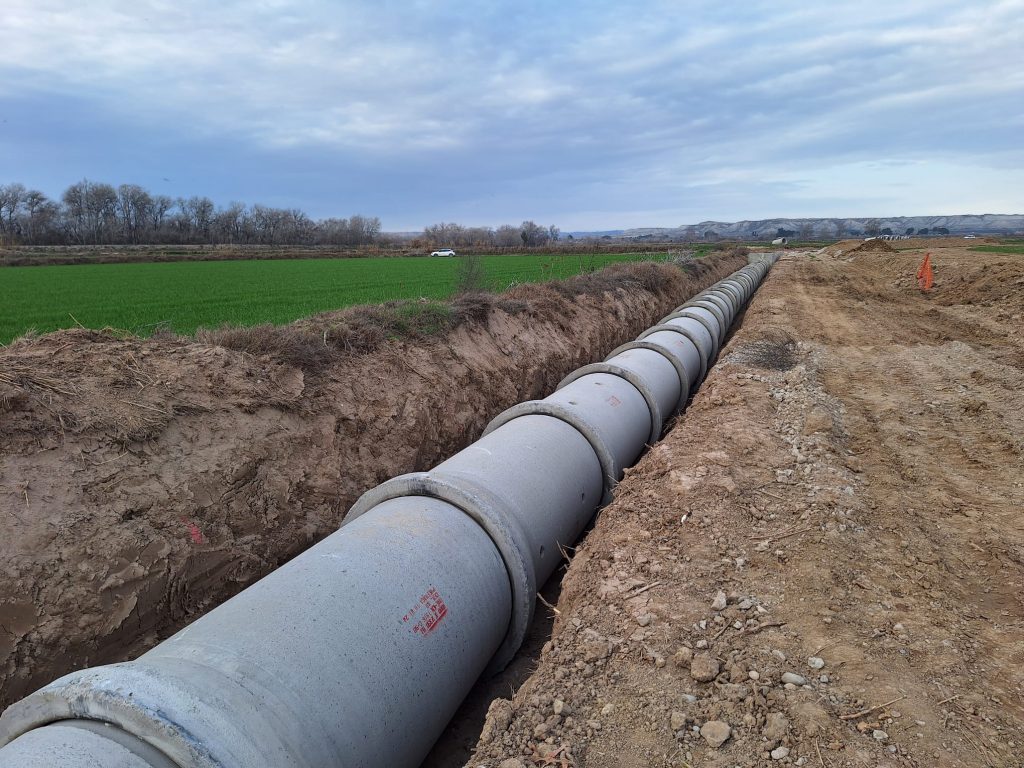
{"x": 589, "y": 113}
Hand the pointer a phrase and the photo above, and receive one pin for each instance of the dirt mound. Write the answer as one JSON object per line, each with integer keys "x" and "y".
{"x": 962, "y": 277}
{"x": 841, "y": 248}
{"x": 144, "y": 481}
{"x": 819, "y": 565}
{"x": 872, "y": 246}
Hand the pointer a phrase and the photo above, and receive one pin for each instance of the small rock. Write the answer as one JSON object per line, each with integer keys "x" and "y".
{"x": 683, "y": 657}
{"x": 702, "y": 644}
{"x": 511, "y": 763}
{"x": 499, "y": 718}
{"x": 689, "y": 698}
{"x": 780, "y": 752}
{"x": 704, "y": 668}
{"x": 594, "y": 650}
{"x": 776, "y": 726}
{"x": 607, "y": 709}
{"x": 715, "y": 732}
{"x": 793, "y": 678}
{"x": 644, "y": 619}
{"x": 678, "y": 720}
{"x": 823, "y": 678}
{"x": 754, "y": 674}
{"x": 879, "y": 735}
{"x": 815, "y": 662}
{"x": 746, "y": 604}
{"x": 560, "y": 708}
{"x": 817, "y": 420}
{"x": 720, "y": 601}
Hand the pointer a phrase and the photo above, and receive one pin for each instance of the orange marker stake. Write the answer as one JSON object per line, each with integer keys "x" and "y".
{"x": 925, "y": 276}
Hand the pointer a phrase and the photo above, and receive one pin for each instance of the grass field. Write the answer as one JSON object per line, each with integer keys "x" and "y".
{"x": 188, "y": 295}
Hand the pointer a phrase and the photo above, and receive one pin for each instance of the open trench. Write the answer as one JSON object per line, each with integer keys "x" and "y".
{"x": 457, "y": 745}
{"x": 234, "y": 688}
{"x": 144, "y": 482}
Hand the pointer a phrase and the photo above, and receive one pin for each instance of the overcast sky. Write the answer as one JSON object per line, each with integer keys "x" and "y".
{"x": 589, "y": 115}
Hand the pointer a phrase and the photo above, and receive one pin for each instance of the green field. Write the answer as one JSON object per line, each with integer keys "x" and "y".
{"x": 188, "y": 295}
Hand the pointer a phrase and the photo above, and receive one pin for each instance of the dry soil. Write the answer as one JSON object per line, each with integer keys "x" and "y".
{"x": 822, "y": 564}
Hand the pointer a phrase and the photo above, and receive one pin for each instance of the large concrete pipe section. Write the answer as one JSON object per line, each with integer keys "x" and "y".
{"x": 359, "y": 651}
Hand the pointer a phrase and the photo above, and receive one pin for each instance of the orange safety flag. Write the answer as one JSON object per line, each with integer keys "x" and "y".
{"x": 925, "y": 277}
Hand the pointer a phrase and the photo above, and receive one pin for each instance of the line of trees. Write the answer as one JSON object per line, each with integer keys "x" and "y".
{"x": 93, "y": 213}
{"x": 526, "y": 235}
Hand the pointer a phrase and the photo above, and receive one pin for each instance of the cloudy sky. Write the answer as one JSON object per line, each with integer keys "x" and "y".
{"x": 590, "y": 115}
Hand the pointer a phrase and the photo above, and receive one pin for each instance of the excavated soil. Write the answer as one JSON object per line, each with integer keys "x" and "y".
{"x": 823, "y": 563}
{"x": 143, "y": 482}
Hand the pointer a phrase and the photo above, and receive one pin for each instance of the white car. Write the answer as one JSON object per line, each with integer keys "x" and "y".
{"x": 443, "y": 252}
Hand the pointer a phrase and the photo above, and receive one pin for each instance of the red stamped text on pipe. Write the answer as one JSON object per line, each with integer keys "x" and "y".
{"x": 614, "y": 401}
{"x": 425, "y": 615}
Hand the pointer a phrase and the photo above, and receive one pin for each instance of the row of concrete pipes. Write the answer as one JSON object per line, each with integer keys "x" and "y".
{"x": 359, "y": 651}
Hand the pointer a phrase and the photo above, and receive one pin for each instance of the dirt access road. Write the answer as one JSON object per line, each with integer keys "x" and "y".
{"x": 841, "y": 504}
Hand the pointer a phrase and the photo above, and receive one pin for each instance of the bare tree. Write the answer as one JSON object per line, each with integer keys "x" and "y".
{"x": 507, "y": 236}
{"x": 11, "y": 198}
{"x": 91, "y": 212}
{"x": 532, "y": 234}
{"x": 133, "y": 206}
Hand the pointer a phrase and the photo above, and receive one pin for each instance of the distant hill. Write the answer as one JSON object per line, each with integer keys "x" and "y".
{"x": 766, "y": 229}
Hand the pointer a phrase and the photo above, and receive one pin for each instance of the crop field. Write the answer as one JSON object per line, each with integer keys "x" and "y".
{"x": 1016, "y": 248}
{"x": 184, "y": 296}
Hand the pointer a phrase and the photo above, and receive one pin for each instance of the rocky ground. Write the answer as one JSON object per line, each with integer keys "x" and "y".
{"x": 822, "y": 564}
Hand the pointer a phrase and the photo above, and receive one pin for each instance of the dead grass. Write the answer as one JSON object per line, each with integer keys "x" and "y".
{"x": 314, "y": 343}
{"x": 775, "y": 351}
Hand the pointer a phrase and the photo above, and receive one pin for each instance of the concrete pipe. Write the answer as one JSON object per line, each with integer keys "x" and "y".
{"x": 723, "y": 318}
{"x": 610, "y": 411}
{"x": 694, "y": 319}
{"x": 676, "y": 351}
{"x": 743, "y": 286}
{"x": 651, "y": 373}
{"x": 300, "y": 669}
{"x": 689, "y": 343}
{"x": 734, "y": 290}
{"x": 744, "y": 275}
{"x": 82, "y": 744}
{"x": 359, "y": 650}
{"x": 717, "y": 288}
{"x": 532, "y": 483}
{"x": 720, "y": 300}
{"x": 747, "y": 282}
{"x": 728, "y": 298}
